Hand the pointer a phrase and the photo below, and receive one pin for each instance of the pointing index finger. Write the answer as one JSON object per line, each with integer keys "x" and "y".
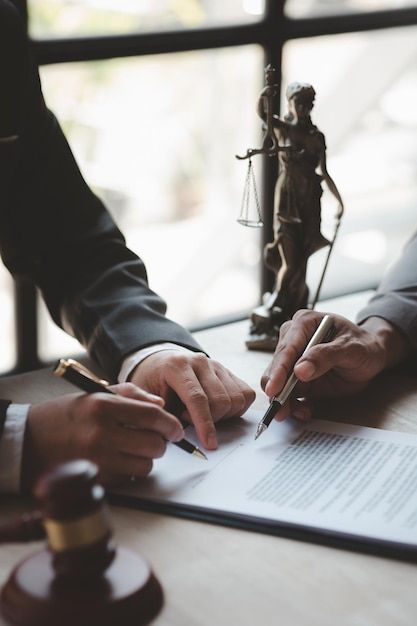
{"x": 188, "y": 388}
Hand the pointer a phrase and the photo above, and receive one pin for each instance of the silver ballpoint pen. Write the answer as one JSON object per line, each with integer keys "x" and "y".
{"x": 321, "y": 335}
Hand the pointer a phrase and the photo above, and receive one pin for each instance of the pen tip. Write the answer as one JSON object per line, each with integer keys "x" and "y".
{"x": 261, "y": 428}
{"x": 200, "y": 454}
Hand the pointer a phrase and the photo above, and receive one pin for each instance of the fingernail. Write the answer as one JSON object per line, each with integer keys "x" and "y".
{"x": 212, "y": 441}
{"x": 305, "y": 369}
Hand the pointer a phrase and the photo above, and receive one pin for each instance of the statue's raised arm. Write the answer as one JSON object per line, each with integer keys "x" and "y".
{"x": 266, "y": 105}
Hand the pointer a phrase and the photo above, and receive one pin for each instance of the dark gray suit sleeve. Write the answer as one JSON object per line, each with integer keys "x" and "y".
{"x": 56, "y": 231}
{"x": 396, "y": 297}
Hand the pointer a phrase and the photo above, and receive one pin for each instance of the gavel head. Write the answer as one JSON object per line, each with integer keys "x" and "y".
{"x": 72, "y": 503}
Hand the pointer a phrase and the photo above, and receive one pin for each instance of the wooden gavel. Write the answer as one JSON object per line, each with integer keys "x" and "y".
{"x": 81, "y": 578}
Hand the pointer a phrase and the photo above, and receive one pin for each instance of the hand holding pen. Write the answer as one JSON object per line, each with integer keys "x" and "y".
{"x": 86, "y": 380}
{"x": 343, "y": 366}
{"x": 322, "y": 333}
{"x": 92, "y": 426}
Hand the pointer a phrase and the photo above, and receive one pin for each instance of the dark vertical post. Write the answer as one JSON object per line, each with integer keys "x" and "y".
{"x": 25, "y": 299}
{"x": 273, "y": 43}
{"x": 26, "y": 320}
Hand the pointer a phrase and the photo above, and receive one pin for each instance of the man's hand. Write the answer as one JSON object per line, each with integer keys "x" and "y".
{"x": 207, "y": 390}
{"x": 344, "y": 366}
{"x": 121, "y": 433}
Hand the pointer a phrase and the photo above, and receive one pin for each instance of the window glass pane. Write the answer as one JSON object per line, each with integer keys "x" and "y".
{"x": 304, "y": 8}
{"x": 7, "y": 324}
{"x": 94, "y": 17}
{"x": 157, "y": 138}
{"x": 366, "y": 105}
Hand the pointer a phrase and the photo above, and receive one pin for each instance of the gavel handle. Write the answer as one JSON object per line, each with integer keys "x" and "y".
{"x": 28, "y": 527}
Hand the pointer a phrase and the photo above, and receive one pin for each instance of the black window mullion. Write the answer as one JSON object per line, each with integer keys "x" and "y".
{"x": 350, "y": 23}
{"x": 140, "y": 44}
{"x": 25, "y": 299}
{"x": 274, "y": 26}
{"x": 273, "y": 45}
{"x": 26, "y": 325}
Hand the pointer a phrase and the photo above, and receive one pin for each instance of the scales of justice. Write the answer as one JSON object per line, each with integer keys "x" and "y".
{"x": 300, "y": 149}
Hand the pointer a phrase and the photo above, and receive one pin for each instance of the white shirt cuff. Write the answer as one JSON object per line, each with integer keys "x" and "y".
{"x": 135, "y": 358}
{"x": 11, "y": 447}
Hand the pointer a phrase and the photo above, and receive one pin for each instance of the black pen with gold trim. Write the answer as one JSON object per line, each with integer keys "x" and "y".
{"x": 321, "y": 335}
{"x": 87, "y": 381}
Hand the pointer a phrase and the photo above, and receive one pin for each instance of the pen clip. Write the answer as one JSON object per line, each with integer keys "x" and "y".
{"x": 64, "y": 364}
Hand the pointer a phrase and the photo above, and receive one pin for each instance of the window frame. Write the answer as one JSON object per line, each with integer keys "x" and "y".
{"x": 271, "y": 32}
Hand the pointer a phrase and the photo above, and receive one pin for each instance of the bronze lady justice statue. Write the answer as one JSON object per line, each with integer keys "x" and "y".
{"x": 301, "y": 149}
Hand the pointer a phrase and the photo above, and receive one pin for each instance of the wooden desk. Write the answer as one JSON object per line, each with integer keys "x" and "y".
{"x": 215, "y": 576}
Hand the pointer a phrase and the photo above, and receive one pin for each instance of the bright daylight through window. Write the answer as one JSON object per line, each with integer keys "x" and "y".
{"x": 156, "y": 137}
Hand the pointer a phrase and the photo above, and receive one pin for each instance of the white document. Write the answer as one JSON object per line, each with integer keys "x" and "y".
{"x": 318, "y": 474}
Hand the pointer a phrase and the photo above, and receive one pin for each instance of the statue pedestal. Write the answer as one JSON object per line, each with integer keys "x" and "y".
{"x": 264, "y": 329}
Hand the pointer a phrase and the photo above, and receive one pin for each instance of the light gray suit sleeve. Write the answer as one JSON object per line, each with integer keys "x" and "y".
{"x": 396, "y": 297}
